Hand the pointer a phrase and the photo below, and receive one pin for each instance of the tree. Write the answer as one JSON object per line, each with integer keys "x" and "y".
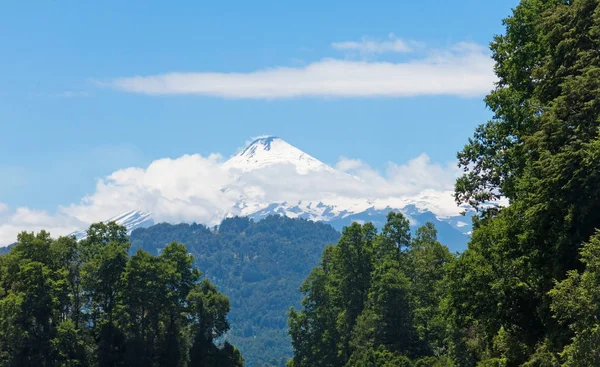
{"x": 107, "y": 254}
{"x": 209, "y": 310}
{"x": 32, "y": 290}
{"x": 428, "y": 262}
{"x": 180, "y": 278}
{"x": 576, "y": 303}
{"x": 495, "y": 158}
{"x": 351, "y": 268}
{"x": 64, "y": 303}
{"x": 69, "y": 345}
{"x": 387, "y": 320}
{"x": 314, "y": 330}
{"x": 359, "y": 306}
{"x": 335, "y": 296}
{"x": 541, "y": 153}
{"x": 144, "y": 300}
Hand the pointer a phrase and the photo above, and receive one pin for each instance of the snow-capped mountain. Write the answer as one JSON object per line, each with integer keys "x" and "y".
{"x": 269, "y": 151}
{"x": 452, "y": 231}
{"x": 271, "y": 176}
{"x": 131, "y": 220}
{"x": 339, "y": 211}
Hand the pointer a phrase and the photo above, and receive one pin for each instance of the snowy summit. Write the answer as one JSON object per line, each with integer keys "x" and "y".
{"x": 271, "y": 150}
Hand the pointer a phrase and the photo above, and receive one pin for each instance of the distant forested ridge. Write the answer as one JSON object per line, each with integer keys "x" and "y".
{"x": 259, "y": 266}
{"x": 526, "y": 292}
{"x": 64, "y": 303}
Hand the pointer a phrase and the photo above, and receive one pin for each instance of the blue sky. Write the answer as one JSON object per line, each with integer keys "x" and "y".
{"x": 66, "y": 118}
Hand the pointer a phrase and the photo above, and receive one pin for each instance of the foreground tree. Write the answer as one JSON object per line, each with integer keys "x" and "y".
{"x": 576, "y": 303}
{"x": 361, "y": 303}
{"x": 541, "y": 153}
{"x": 31, "y": 293}
{"x": 64, "y": 303}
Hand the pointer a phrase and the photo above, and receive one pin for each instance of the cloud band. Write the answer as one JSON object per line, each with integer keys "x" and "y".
{"x": 465, "y": 70}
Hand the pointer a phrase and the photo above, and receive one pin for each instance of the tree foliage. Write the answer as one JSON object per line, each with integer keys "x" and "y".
{"x": 375, "y": 300}
{"x": 541, "y": 153}
{"x": 64, "y": 303}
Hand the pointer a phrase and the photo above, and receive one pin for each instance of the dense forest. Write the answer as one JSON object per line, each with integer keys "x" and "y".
{"x": 526, "y": 292}
{"x": 259, "y": 266}
{"x": 88, "y": 303}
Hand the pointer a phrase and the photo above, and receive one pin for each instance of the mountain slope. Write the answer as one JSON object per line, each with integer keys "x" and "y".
{"x": 131, "y": 220}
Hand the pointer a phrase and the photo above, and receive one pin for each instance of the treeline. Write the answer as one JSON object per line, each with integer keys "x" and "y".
{"x": 526, "y": 292}
{"x": 64, "y": 303}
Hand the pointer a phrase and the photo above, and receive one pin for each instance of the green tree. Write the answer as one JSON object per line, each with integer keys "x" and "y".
{"x": 351, "y": 266}
{"x": 30, "y": 303}
{"x": 144, "y": 299}
{"x": 387, "y": 320}
{"x": 66, "y": 256}
{"x": 107, "y": 254}
{"x": 541, "y": 153}
{"x": 69, "y": 346}
{"x": 209, "y": 311}
{"x": 335, "y": 296}
{"x": 313, "y": 330}
{"x": 359, "y": 306}
{"x": 64, "y": 303}
{"x": 428, "y": 262}
{"x": 180, "y": 277}
{"x": 576, "y": 303}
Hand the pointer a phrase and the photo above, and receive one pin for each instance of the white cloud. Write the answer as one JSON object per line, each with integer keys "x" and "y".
{"x": 373, "y": 46}
{"x": 348, "y": 164}
{"x": 193, "y": 188}
{"x": 25, "y": 219}
{"x": 420, "y": 172}
{"x": 182, "y": 189}
{"x": 463, "y": 70}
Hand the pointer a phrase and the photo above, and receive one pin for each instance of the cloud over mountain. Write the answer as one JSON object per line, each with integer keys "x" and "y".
{"x": 193, "y": 188}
